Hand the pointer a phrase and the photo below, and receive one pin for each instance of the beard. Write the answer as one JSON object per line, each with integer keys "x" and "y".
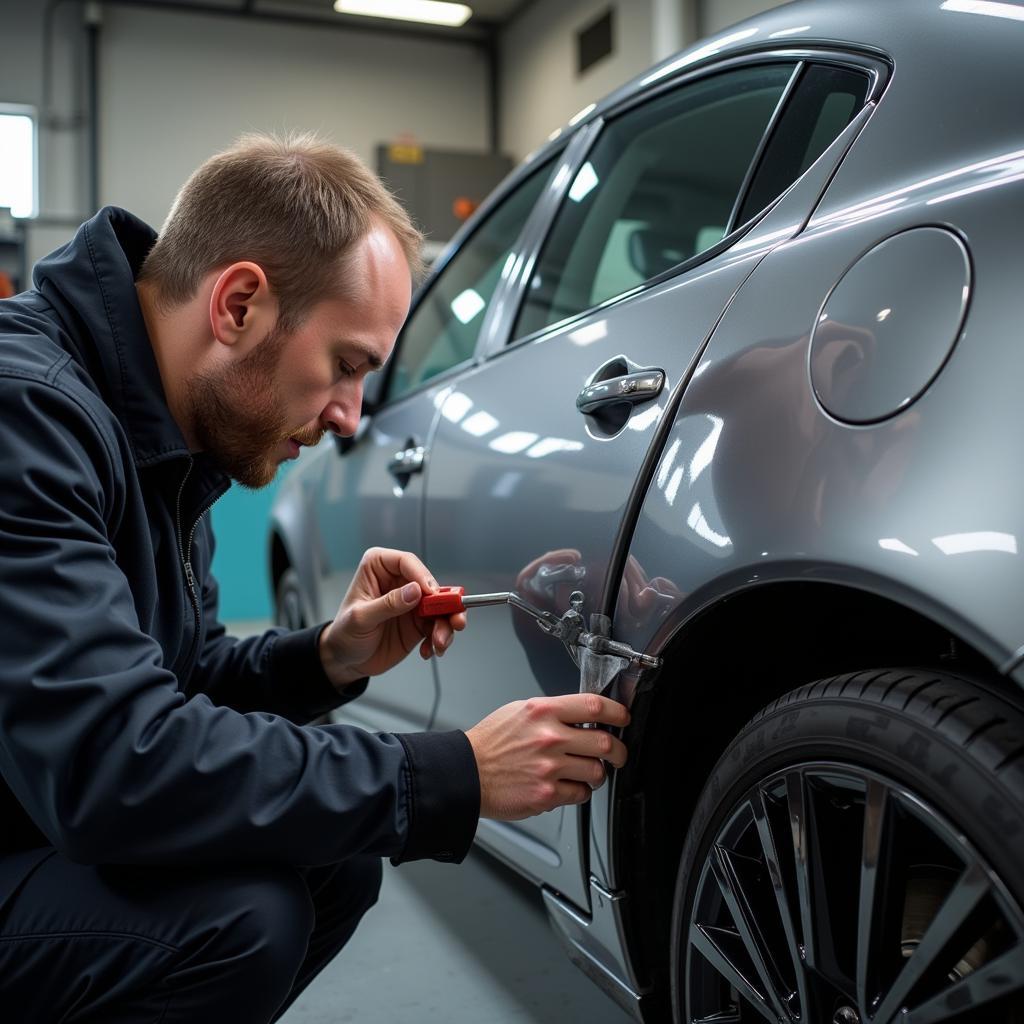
{"x": 237, "y": 415}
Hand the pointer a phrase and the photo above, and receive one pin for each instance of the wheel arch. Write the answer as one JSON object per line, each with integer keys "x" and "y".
{"x": 720, "y": 668}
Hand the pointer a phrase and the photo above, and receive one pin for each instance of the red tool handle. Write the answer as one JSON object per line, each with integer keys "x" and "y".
{"x": 447, "y": 601}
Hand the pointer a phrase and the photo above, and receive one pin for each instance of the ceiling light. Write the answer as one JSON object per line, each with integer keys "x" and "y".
{"x": 432, "y": 12}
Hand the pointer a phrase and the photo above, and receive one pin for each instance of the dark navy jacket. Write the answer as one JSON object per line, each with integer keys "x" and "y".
{"x": 132, "y": 729}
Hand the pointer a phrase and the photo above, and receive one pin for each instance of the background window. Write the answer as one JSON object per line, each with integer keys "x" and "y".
{"x": 658, "y": 188}
{"x": 18, "y": 161}
{"x": 443, "y": 330}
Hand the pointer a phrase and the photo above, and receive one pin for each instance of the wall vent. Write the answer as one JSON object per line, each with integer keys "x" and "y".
{"x": 595, "y": 42}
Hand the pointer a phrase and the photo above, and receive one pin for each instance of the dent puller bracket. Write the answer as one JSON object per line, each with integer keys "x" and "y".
{"x": 599, "y": 657}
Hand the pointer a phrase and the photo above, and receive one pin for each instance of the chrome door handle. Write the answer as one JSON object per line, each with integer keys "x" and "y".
{"x": 631, "y": 387}
{"x": 407, "y": 462}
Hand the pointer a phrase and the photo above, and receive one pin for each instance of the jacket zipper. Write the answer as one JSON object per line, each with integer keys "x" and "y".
{"x": 185, "y": 551}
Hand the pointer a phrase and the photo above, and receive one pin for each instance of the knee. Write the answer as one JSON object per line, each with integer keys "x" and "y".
{"x": 351, "y": 889}
{"x": 263, "y": 918}
{"x": 273, "y": 915}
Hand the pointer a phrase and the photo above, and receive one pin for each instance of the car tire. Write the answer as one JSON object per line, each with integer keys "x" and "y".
{"x": 288, "y": 607}
{"x": 857, "y": 855}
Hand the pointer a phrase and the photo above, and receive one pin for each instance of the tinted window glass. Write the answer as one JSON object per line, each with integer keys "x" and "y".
{"x": 658, "y": 188}
{"x": 443, "y": 330}
{"x": 823, "y": 104}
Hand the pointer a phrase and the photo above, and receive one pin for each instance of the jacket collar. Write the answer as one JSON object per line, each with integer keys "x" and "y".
{"x": 91, "y": 283}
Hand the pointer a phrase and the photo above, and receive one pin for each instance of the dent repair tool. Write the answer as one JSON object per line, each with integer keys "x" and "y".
{"x": 598, "y": 656}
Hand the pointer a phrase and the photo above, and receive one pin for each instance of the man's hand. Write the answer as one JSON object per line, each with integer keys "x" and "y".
{"x": 531, "y": 759}
{"x": 377, "y": 625}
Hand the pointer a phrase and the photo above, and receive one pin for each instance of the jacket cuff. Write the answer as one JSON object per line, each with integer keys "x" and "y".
{"x": 442, "y": 787}
{"x": 296, "y": 655}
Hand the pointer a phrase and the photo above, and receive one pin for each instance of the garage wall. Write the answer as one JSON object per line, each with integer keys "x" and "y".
{"x": 177, "y": 87}
{"x": 174, "y": 88}
{"x": 714, "y": 15}
{"x": 540, "y": 89}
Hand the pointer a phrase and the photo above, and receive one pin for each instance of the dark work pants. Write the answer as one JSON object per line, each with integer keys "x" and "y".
{"x": 156, "y": 945}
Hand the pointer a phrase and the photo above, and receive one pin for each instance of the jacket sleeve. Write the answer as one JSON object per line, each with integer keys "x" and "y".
{"x": 279, "y": 672}
{"x": 99, "y": 744}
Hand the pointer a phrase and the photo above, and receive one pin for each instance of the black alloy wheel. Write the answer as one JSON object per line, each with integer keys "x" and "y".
{"x": 857, "y": 857}
{"x": 288, "y": 601}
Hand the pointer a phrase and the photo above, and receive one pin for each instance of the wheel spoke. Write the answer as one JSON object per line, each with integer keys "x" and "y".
{"x": 878, "y": 913}
{"x": 815, "y": 919}
{"x": 711, "y": 943}
{"x": 724, "y": 868}
{"x": 759, "y": 806}
{"x": 970, "y": 888}
{"x": 999, "y": 977}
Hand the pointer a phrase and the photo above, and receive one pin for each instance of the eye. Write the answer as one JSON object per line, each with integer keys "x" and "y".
{"x": 345, "y": 369}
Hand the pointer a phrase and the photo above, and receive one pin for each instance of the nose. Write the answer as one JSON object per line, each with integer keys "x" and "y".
{"x": 341, "y": 414}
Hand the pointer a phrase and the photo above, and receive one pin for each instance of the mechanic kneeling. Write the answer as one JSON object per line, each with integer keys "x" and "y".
{"x": 175, "y": 845}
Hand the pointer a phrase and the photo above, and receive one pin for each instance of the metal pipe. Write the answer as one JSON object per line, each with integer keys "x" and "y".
{"x": 93, "y": 18}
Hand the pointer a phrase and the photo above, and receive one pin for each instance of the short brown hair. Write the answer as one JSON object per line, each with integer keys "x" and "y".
{"x": 295, "y": 205}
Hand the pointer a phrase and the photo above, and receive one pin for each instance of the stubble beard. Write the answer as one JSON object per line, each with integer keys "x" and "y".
{"x": 238, "y": 417}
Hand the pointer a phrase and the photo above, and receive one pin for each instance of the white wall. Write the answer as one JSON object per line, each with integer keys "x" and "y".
{"x": 540, "y": 89}
{"x": 714, "y": 15}
{"x": 177, "y": 87}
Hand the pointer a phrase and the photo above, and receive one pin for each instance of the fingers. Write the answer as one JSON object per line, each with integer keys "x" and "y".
{"x": 401, "y": 565}
{"x": 577, "y": 708}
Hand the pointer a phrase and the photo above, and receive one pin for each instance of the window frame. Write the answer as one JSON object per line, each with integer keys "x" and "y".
{"x": 878, "y": 72}
{"x": 559, "y": 157}
{"x": 29, "y": 111}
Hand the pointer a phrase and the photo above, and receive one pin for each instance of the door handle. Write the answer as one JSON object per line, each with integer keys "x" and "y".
{"x": 631, "y": 388}
{"x": 408, "y": 461}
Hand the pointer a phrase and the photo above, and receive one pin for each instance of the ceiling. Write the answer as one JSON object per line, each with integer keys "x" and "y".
{"x": 487, "y": 14}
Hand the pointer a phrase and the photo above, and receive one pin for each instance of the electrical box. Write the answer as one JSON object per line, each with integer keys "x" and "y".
{"x": 439, "y": 187}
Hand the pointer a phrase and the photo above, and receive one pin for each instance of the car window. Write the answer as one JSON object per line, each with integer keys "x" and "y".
{"x": 825, "y": 101}
{"x": 443, "y": 330}
{"x": 658, "y": 188}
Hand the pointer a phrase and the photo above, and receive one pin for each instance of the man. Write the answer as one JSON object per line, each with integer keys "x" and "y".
{"x": 174, "y": 845}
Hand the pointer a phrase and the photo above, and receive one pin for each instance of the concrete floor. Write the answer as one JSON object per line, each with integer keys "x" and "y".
{"x": 454, "y": 944}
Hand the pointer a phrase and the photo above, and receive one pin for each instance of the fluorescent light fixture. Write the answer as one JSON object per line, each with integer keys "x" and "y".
{"x": 479, "y": 423}
{"x": 456, "y": 407}
{"x": 989, "y": 7}
{"x": 514, "y": 441}
{"x": 466, "y": 305}
{"x": 431, "y": 12}
{"x": 585, "y": 182}
{"x": 983, "y": 540}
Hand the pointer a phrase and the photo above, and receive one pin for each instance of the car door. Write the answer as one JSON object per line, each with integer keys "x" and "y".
{"x": 370, "y": 490}
{"x": 538, "y": 448}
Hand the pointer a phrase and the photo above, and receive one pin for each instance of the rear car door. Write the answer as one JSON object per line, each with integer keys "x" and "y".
{"x": 529, "y": 488}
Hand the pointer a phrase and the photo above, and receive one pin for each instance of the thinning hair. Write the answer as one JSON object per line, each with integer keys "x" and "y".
{"x": 295, "y": 205}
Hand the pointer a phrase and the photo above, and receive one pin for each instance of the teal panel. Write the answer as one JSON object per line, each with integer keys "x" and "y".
{"x": 241, "y": 565}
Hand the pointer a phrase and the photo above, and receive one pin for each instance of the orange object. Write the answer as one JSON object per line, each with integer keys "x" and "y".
{"x": 464, "y": 207}
{"x": 6, "y": 285}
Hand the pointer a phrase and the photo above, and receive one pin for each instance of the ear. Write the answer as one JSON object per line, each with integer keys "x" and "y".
{"x": 242, "y": 308}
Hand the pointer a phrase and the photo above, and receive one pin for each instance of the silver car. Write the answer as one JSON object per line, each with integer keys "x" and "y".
{"x": 729, "y": 372}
